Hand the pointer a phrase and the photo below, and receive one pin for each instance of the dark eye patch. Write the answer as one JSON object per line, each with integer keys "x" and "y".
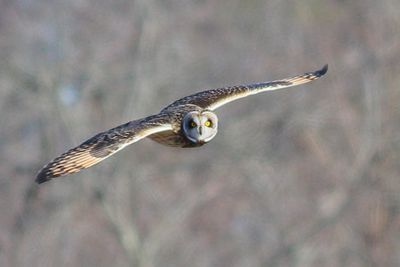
{"x": 192, "y": 124}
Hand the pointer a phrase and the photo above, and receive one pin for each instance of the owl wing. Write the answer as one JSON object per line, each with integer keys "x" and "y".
{"x": 101, "y": 146}
{"x": 214, "y": 98}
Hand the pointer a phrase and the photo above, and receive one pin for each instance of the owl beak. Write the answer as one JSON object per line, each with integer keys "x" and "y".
{"x": 200, "y": 130}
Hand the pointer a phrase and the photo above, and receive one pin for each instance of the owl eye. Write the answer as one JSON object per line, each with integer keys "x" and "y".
{"x": 192, "y": 124}
{"x": 208, "y": 123}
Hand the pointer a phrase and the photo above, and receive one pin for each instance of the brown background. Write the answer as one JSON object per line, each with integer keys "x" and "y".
{"x": 307, "y": 176}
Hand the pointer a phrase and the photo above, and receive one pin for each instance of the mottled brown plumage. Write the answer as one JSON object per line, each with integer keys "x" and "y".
{"x": 166, "y": 127}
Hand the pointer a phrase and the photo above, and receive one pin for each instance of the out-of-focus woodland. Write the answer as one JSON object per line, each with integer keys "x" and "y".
{"x": 307, "y": 176}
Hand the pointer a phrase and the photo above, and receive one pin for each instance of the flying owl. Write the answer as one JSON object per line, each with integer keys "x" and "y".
{"x": 187, "y": 122}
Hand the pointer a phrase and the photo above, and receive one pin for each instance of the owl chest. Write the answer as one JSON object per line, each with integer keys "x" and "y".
{"x": 170, "y": 138}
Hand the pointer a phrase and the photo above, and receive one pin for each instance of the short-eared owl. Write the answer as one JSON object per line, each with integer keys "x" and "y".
{"x": 187, "y": 122}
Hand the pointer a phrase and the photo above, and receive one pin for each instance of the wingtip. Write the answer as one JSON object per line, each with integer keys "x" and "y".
{"x": 323, "y": 70}
{"x": 41, "y": 178}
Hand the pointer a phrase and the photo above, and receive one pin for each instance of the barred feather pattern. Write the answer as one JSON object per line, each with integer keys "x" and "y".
{"x": 101, "y": 146}
{"x": 215, "y": 98}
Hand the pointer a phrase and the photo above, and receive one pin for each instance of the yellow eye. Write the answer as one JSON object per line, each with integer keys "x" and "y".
{"x": 192, "y": 124}
{"x": 208, "y": 123}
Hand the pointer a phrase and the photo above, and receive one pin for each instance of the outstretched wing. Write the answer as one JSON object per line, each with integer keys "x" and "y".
{"x": 101, "y": 146}
{"x": 214, "y": 98}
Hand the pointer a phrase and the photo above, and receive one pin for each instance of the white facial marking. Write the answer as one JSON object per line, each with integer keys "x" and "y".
{"x": 200, "y": 127}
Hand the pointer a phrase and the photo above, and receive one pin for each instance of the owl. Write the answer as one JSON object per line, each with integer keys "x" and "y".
{"x": 187, "y": 122}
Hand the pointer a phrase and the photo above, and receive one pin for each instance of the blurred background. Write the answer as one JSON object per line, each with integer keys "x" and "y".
{"x": 307, "y": 176}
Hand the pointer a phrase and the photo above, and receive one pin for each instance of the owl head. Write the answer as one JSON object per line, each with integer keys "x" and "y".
{"x": 200, "y": 126}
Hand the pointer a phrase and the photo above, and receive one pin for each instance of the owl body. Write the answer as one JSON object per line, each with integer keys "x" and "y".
{"x": 172, "y": 139}
{"x": 187, "y": 122}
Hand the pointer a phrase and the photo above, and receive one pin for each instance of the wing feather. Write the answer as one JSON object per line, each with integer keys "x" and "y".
{"x": 214, "y": 98}
{"x": 101, "y": 146}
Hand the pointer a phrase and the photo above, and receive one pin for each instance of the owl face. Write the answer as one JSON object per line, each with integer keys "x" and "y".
{"x": 200, "y": 126}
